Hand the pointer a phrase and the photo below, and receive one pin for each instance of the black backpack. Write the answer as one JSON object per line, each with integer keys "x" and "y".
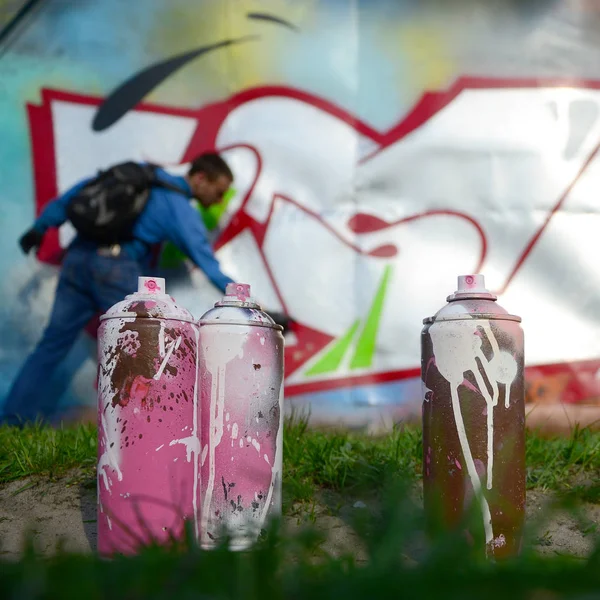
{"x": 106, "y": 208}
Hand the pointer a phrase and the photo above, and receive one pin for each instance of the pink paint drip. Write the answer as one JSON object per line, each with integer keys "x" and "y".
{"x": 470, "y": 386}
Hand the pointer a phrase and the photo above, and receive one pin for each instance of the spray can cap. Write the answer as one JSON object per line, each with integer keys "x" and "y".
{"x": 149, "y": 301}
{"x": 471, "y": 300}
{"x": 238, "y": 307}
{"x": 471, "y": 286}
{"x": 239, "y": 291}
{"x": 151, "y": 285}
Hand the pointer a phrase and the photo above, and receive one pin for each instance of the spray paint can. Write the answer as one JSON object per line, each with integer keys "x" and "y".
{"x": 241, "y": 394}
{"x": 474, "y": 418}
{"x": 148, "y": 444}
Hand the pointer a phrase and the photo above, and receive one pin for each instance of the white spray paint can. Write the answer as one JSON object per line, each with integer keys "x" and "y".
{"x": 241, "y": 395}
{"x": 148, "y": 430}
{"x": 472, "y": 368}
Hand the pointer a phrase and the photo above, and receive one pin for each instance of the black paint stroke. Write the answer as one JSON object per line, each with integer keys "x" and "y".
{"x": 134, "y": 89}
{"x": 272, "y": 19}
{"x": 21, "y": 15}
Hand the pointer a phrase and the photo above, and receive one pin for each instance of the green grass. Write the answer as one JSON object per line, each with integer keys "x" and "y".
{"x": 339, "y": 461}
{"x": 293, "y": 566}
{"x": 342, "y": 461}
{"x": 286, "y": 568}
{"x": 565, "y": 463}
{"x": 38, "y": 450}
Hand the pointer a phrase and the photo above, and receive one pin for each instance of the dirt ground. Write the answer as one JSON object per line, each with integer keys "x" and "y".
{"x": 64, "y": 512}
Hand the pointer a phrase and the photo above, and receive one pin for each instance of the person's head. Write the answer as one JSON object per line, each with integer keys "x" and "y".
{"x": 209, "y": 177}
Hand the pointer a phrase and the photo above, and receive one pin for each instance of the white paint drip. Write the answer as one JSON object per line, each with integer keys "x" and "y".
{"x": 256, "y": 445}
{"x": 110, "y": 430}
{"x": 109, "y": 457}
{"x": 262, "y": 341}
{"x": 195, "y": 433}
{"x": 471, "y": 470}
{"x": 278, "y": 461}
{"x": 219, "y": 348}
{"x": 217, "y": 404}
{"x": 161, "y": 446}
{"x": 227, "y": 417}
{"x": 161, "y": 339}
{"x": 457, "y": 353}
{"x": 505, "y": 371}
{"x": 267, "y": 459}
{"x": 191, "y": 443}
{"x": 172, "y": 347}
{"x": 109, "y": 522}
{"x": 490, "y": 424}
{"x": 241, "y": 442}
{"x": 204, "y": 453}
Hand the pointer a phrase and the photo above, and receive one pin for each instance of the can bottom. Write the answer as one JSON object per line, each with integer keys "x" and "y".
{"x": 234, "y": 545}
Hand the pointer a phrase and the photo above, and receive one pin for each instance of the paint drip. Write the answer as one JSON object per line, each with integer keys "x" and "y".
{"x": 241, "y": 391}
{"x": 472, "y": 352}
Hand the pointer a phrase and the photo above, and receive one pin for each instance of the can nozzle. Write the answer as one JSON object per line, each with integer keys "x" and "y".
{"x": 241, "y": 291}
{"x": 471, "y": 283}
{"x": 151, "y": 285}
{"x": 471, "y": 286}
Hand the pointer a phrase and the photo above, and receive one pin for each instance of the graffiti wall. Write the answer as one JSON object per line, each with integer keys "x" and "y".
{"x": 380, "y": 148}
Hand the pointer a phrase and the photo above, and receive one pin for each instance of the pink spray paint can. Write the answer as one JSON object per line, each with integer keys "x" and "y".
{"x": 241, "y": 394}
{"x": 148, "y": 444}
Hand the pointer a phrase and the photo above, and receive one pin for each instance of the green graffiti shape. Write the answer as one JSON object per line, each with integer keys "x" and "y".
{"x": 333, "y": 359}
{"x": 171, "y": 257}
{"x": 365, "y": 348}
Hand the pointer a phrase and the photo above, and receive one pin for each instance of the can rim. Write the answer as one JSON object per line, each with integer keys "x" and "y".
{"x": 242, "y": 323}
{"x": 132, "y": 315}
{"x": 473, "y": 317}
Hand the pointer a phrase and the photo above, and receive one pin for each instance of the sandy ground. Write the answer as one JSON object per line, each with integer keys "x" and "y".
{"x": 63, "y": 513}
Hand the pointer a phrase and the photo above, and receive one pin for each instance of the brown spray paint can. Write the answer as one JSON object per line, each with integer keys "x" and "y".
{"x": 472, "y": 371}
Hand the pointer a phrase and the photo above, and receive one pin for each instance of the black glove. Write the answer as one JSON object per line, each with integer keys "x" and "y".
{"x": 31, "y": 239}
{"x": 281, "y": 319}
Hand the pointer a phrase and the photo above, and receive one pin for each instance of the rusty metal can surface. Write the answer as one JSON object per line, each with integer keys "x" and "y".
{"x": 148, "y": 444}
{"x": 241, "y": 394}
{"x": 472, "y": 369}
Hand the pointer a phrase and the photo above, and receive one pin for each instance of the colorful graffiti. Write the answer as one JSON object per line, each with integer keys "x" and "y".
{"x": 355, "y": 205}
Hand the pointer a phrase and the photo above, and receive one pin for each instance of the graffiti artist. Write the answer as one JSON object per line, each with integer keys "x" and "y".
{"x": 119, "y": 216}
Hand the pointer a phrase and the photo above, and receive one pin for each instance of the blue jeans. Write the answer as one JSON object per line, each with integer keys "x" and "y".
{"x": 89, "y": 283}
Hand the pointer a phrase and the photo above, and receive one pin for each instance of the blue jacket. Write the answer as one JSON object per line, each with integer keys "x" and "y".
{"x": 168, "y": 216}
